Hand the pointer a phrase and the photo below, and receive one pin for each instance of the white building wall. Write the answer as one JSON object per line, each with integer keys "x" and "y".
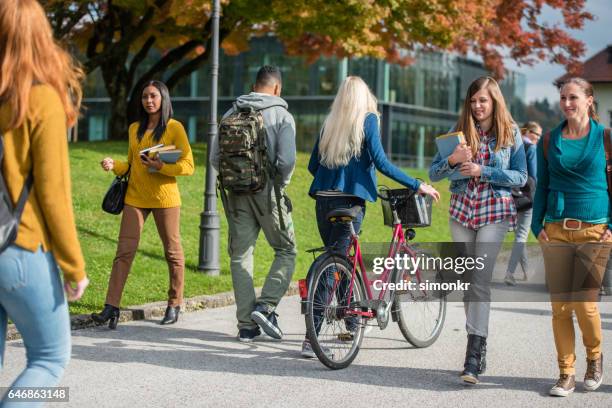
{"x": 603, "y": 96}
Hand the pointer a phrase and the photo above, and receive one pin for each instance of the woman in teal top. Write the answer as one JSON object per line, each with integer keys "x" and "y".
{"x": 572, "y": 206}
{"x": 572, "y": 180}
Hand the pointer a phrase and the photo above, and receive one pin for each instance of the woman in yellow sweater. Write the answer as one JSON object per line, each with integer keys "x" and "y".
{"x": 40, "y": 94}
{"x": 152, "y": 188}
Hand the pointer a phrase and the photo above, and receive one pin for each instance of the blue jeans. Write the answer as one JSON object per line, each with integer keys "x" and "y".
{"x": 31, "y": 294}
{"x": 338, "y": 236}
{"x": 519, "y": 249}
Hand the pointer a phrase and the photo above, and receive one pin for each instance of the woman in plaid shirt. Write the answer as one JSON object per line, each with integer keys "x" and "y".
{"x": 481, "y": 209}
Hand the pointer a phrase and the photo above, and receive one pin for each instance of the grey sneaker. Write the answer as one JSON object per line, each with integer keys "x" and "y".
{"x": 308, "y": 352}
{"x": 564, "y": 386}
{"x": 594, "y": 374}
{"x": 509, "y": 280}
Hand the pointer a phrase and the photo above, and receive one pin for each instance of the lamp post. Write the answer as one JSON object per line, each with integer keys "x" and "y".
{"x": 208, "y": 259}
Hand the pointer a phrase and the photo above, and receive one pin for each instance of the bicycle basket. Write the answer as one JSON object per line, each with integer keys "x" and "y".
{"x": 413, "y": 210}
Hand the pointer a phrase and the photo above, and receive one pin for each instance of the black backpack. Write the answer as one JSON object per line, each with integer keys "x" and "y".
{"x": 9, "y": 214}
{"x": 523, "y": 196}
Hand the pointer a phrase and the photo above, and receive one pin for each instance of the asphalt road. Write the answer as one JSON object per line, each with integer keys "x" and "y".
{"x": 199, "y": 363}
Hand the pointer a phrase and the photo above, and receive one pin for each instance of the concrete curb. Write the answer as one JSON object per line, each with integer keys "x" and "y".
{"x": 157, "y": 309}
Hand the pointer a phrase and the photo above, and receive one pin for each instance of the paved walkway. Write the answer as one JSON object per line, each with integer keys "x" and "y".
{"x": 198, "y": 363}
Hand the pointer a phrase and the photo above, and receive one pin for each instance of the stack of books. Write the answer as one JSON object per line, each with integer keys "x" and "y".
{"x": 167, "y": 154}
{"x": 446, "y": 146}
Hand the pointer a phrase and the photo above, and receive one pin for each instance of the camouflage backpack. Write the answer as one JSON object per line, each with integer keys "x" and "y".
{"x": 244, "y": 167}
{"x": 243, "y": 163}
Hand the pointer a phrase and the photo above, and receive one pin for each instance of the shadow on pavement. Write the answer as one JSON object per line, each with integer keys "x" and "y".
{"x": 201, "y": 350}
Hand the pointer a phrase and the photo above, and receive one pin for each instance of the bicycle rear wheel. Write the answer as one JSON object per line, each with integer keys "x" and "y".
{"x": 420, "y": 313}
{"x": 335, "y": 332}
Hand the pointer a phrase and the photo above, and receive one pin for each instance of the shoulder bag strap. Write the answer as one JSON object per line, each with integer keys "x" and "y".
{"x": 545, "y": 144}
{"x": 608, "y": 149}
{"x": 25, "y": 192}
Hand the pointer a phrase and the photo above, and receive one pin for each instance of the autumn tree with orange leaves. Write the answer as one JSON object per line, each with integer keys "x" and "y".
{"x": 116, "y": 36}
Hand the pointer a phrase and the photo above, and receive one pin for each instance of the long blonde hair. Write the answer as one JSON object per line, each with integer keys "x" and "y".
{"x": 343, "y": 134}
{"x": 503, "y": 123}
{"x": 29, "y": 55}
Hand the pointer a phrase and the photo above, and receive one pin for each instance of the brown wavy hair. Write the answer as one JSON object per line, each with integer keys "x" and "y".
{"x": 502, "y": 120}
{"x": 30, "y": 55}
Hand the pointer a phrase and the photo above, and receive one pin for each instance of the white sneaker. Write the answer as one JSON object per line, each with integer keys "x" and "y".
{"x": 509, "y": 280}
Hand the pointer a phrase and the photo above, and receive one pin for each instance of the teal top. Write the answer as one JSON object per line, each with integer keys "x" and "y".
{"x": 572, "y": 149}
{"x": 572, "y": 182}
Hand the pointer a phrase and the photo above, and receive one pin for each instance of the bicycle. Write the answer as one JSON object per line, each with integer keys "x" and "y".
{"x": 338, "y": 302}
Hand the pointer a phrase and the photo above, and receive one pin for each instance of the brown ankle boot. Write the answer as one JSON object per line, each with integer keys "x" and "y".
{"x": 564, "y": 386}
{"x": 594, "y": 374}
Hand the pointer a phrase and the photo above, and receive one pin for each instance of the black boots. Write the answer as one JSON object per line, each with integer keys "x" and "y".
{"x": 109, "y": 313}
{"x": 171, "y": 316}
{"x": 475, "y": 359}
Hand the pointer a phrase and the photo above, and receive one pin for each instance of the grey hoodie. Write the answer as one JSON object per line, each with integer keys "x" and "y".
{"x": 280, "y": 130}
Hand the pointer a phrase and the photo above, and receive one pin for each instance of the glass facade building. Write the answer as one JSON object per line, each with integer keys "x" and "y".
{"x": 417, "y": 102}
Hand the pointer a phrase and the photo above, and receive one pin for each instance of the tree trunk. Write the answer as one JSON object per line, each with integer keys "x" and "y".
{"x": 116, "y": 81}
{"x": 118, "y": 123}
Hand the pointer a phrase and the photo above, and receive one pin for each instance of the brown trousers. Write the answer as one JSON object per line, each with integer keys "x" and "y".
{"x": 573, "y": 275}
{"x": 167, "y": 221}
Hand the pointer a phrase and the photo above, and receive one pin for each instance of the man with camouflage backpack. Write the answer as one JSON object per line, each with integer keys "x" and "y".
{"x": 255, "y": 157}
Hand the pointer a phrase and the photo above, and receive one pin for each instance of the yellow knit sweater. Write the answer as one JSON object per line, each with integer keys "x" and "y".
{"x": 155, "y": 190}
{"x": 40, "y": 143}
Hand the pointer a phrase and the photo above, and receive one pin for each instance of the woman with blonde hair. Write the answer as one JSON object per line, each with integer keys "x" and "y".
{"x": 484, "y": 169}
{"x": 344, "y": 163}
{"x": 40, "y": 95}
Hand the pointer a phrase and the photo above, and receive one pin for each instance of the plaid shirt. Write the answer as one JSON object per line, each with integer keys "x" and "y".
{"x": 478, "y": 206}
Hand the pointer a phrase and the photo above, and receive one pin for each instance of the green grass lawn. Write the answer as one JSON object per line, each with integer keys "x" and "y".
{"x": 98, "y": 231}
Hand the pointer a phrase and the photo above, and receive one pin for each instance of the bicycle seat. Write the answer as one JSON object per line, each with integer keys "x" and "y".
{"x": 343, "y": 214}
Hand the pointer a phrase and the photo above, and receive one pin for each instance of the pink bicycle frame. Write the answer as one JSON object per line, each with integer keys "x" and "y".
{"x": 398, "y": 241}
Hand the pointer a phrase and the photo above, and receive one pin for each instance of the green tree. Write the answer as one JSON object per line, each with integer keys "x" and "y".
{"x": 116, "y": 36}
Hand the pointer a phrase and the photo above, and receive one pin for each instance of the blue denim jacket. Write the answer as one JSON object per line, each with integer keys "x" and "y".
{"x": 507, "y": 168}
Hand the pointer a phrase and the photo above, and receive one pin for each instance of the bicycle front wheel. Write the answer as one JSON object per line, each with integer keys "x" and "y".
{"x": 334, "y": 326}
{"x": 420, "y": 313}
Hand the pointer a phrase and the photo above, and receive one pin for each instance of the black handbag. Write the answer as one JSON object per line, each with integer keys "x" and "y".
{"x": 523, "y": 196}
{"x": 114, "y": 199}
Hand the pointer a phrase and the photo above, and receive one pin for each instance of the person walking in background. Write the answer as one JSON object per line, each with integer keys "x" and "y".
{"x": 532, "y": 132}
{"x": 606, "y": 285}
{"x": 572, "y": 206}
{"x": 481, "y": 206}
{"x": 344, "y": 162}
{"x": 40, "y": 95}
{"x": 152, "y": 188}
{"x": 259, "y": 201}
